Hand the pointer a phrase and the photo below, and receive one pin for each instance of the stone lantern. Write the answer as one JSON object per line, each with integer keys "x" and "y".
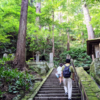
{"x": 37, "y": 56}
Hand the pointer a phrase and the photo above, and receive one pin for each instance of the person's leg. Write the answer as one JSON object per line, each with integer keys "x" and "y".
{"x": 69, "y": 88}
{"x": 60, "y": 79}
{"x": 65, "y": 85}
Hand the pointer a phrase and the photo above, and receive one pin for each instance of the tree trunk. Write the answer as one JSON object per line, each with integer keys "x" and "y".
{"x": 38, "y": 10}
{"x": 53, "y": 35}
{"x": 68, "y": 44}
{"x": 33, "y": 56}
{"x": 88, "y": 25}
{"x": 68, "y": 36}
{"x": 19, "y": 60}
{"x": 87, "y": 20}
{"x": 82, "y": 34}
{"x": 60, "y": 21}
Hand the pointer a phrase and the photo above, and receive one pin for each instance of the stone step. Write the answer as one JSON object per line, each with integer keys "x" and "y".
{"x": 53, "y": 86}
{"x": 56, "y": 83}
{"x": 56, "y": 98}
{"x": 56, "y": 91}
{"x": 51, "y": 90}
{"x": 57, "y": 95}
{"x": 55, "y": 80}
{"x": 57, "y": 88}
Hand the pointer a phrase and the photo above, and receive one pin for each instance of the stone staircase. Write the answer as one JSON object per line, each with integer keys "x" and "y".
{"x": 51, "y": 90}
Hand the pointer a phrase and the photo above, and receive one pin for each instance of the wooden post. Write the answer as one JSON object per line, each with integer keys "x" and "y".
{"x": 99, "y": 50}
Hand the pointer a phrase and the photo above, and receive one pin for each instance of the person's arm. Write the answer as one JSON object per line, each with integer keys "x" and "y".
{"x": 62, "y": 75}
{"x": 62, "y": 72}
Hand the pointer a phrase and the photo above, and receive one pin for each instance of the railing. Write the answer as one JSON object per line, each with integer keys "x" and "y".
{"x": 79, "y": 83}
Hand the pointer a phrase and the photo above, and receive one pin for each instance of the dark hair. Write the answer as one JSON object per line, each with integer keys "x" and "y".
{"x": 67, "y": 60}
{"x": 61, "y": 64}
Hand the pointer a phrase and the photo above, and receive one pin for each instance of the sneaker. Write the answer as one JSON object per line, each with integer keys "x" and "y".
{"x": 66, "y": 93}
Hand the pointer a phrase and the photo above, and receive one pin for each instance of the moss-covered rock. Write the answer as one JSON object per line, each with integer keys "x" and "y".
{"x": 40, "y": 67}
{"x": 91, "y": 88}
{"x": 95, "y": 69}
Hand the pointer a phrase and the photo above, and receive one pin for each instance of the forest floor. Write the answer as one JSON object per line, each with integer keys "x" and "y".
{"x": 7, "y": 93}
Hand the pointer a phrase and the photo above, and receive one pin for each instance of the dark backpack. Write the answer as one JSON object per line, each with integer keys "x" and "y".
{"x": 66, "y": 72}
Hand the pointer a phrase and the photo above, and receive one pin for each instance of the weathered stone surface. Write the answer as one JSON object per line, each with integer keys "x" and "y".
{"x": 51, "y": 58}
{"x": 95, "y": 69}
{"x": 91, "y": 88}
{"x": 37, "y": 56}
{"x": 5, "y": 55}
{"x": 68, "y": 56}
{"x": 51, "y": 65}
{"x": 40, "y": 67}
{"x": 43, "y": 71}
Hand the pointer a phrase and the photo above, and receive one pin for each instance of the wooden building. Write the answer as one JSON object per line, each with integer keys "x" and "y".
{"x": 93, "y": 47}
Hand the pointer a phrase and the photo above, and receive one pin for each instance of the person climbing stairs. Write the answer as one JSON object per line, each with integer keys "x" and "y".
{"x": 51, "y": 90}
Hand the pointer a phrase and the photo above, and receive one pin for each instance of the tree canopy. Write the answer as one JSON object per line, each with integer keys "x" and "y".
{"x": 68, "y": 14}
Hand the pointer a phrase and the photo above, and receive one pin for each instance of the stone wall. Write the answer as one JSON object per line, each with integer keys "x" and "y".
{"x": 90, "y": 87}
{"x": 41, "y": 67}
{"x": 95, "y": 69}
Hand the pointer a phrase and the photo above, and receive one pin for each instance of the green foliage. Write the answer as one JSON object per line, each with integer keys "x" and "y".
{"x": 1, "y": 93}
{"x": 79, "y": 55}
{"x": 36, "y": 38}
{"x": 9, "y": 57}
{"x": 18, "y": 80}
{"x": 71, "y": 20}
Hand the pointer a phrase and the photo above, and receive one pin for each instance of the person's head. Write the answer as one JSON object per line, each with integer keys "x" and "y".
{"x": 60, "y": 64}
{"x": 67, "y": 60}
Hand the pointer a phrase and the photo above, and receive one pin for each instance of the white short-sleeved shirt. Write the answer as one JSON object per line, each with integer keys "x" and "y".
{"x": 59, "y": 70}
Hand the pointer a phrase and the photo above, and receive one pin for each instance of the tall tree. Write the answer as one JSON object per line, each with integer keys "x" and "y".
{"x": 82, "y": 34}
{"x": 68, "y": 43}
{"x": 53, "y": 48}
{"x": 88, "y": 25}
{"x": 60, "y": 20}
{"x": 38, "y": 10}
{"x": 87, "y": 20}
{"x": 19, "y": 60}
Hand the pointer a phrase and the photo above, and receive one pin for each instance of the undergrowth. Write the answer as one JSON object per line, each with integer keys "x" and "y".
{"x": 79, "y": 55}
{"x": 12, "y": 81}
